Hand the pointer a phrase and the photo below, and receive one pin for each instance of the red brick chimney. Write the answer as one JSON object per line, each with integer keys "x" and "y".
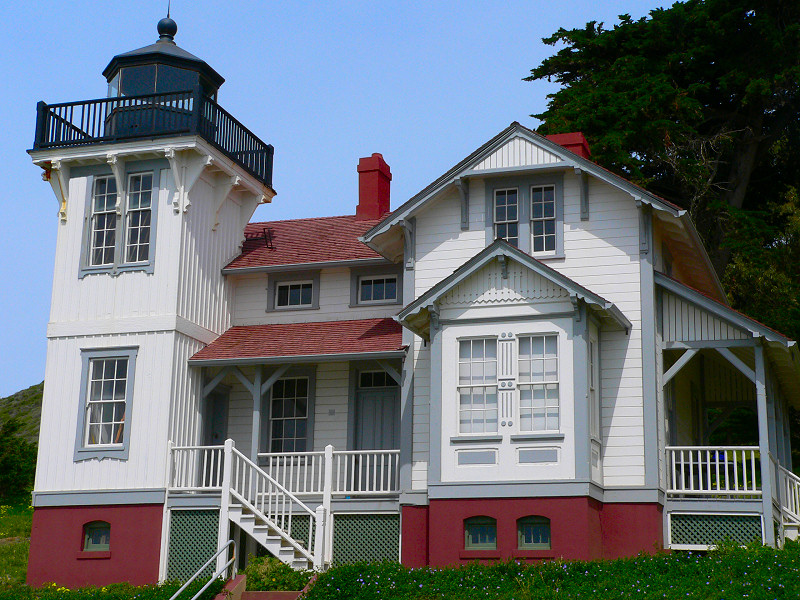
{"x": 574, "y": 142}
{"x": 373, "y": 188}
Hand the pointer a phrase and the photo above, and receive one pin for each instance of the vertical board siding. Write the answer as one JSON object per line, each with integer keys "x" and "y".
{"x": 517, "y": 152}
{"x": 683, "y": 321}
{"x": 148, "y": 420}
{"x": 725, "y": 383}
{"x": 186, "y": 403}
{"x": 420, "y": 444}
{"x": 250, "y": 304}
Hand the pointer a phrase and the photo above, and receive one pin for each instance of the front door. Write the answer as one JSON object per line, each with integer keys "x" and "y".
{"x": 378, "y": 419}
{"x": 217, "y": 419}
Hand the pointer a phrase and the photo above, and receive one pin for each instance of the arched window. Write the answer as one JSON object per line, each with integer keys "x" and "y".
{"x": 480, "y": 533}
{"x": 533, "y": 533}
{"x": 97, "y": 536}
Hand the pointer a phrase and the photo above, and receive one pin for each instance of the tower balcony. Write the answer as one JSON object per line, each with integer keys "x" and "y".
{"x": 151, "y": 116}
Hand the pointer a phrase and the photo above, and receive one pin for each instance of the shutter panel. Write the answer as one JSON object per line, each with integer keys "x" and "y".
{"x": 506, "y": 377}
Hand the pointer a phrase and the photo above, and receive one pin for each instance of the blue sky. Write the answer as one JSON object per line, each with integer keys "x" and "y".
{"x": 423, "y": 83}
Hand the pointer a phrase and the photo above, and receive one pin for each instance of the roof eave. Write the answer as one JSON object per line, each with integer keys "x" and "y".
{"x": 302, "y": 358}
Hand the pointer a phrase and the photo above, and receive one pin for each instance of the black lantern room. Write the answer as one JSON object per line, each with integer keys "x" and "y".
{"x": 162, "y": 67}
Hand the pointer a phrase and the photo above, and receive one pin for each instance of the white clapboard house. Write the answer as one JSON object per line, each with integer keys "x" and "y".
{"x": 531, "y": 358}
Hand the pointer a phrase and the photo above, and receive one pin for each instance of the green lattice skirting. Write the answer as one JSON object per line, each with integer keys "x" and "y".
{"x": 192, "y": 541}
{"x": 365, "y": 538}
{"x": 710, "y": 530}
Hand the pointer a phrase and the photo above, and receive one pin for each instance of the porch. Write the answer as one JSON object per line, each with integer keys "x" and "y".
{"x": 726, "y": 383}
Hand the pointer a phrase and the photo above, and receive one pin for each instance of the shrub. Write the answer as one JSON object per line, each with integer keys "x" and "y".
{"x": 117, "y": 591}
{"x": 267, "y": 573}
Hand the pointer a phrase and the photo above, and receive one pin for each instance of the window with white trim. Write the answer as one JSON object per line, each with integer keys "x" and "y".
{"x": 106, "y": 402}
{"x": 477, "y": 385}
{"x": 538, "y": 383}
{"x": 137, "y": 221}
{"x": 543, "y": 218}
{"x": 103, "y": 240}
{"x": 377, "y": 289}
{"x": 296, "y": 294}
{"x": 289, "y": 409}
{"x": 506, "y": 215}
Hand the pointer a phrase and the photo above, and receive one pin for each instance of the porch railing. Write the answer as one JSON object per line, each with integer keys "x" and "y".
{"x": 340, "y": 473}
{"x": 196, "y": 468}
{"x": 719, "y": 471}
{"x": 789, "y": 494}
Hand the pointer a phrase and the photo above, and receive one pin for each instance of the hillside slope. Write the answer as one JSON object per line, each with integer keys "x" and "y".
{"x": 26, "y": 408}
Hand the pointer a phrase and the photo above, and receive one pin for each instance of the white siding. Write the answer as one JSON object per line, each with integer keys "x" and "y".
{"x": 145, "y": 467}
{"x": 420, "y": 446}
{"x": 186, "y": 406}
{"x": 250, "y": 305}
{"x": 683, "y": 321}
{"x": 517, "y": 152}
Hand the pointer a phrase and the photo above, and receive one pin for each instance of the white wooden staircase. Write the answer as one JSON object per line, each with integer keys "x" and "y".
{"x": 789, "y": 485}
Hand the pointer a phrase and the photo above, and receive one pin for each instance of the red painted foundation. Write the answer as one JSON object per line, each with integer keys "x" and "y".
{"x": 57, "y": 539}
{"x": 581, "y": 529}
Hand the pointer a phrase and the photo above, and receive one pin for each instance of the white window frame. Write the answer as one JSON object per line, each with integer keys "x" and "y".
{"x": 290, "y": 285}
{"x": 307, "y": 438}
{"x": 85, "y": 448}
{"x": 276, "y": 281}
{"x": 123, "y": 211}
{"x": 506, "y": 222}
{"x": 384, "y": 278}
{"x": 544, "y": 220}
{"x": 472, "y": 385}
{"x": 96, "y": 215}
{"x": 546, "y": 383}
{"x": 131, "y": 211}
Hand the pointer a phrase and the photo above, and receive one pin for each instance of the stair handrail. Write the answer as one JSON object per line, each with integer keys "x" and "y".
{"x": 260, "y": 514}
{"x": 203, "y": 568}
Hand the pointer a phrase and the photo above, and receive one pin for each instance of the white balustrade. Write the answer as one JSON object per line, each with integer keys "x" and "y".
{"x": 790, "y": 494}
{"x": 196, "y": 468}
{"x": 301, "y": 472}
{"x": 714, "y": 471}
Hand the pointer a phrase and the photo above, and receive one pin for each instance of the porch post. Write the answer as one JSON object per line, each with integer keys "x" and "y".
{"x": 327, "y": 493}
{"x": 225, "y": 498}
{"x": 763, "y": 446}
{"x": 256, "y": 435}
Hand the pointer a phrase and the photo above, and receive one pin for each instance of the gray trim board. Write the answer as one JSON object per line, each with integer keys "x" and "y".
{"x": 195, "y": 501}
{"x": 580, "y": 383}
{"x": 478, "y": 439}
{"x": 537, "y": 437}
{"x": 712, "y": 506}
{"x": 435, "y": 408}
{"x": 310, "y": 266}
{"x": 98, "y": 497}
{"x": 648, "y": 320}
{"x": 415, "y": 498}
{"x": 279, "y": 279}
{"x": 118, "y": 452}
{"x": 306, "y": 358}
{"x": 544, "y": 489}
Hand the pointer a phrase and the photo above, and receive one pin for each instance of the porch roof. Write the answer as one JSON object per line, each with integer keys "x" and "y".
{"x": 303, "y": 342}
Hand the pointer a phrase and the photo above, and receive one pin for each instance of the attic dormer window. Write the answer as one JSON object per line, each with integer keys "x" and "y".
{"x": 543, "y": 218}
{"x": 506, "y": 215}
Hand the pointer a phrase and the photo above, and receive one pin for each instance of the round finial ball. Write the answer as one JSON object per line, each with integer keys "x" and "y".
{"x": 167, "y": 27}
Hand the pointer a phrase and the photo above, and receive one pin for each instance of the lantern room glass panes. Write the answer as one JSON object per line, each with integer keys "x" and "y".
{"x": 106, "y": 402}
{"x": 477, "y": 385}
{"x": 538, "y": 383}
{"x": 506, "y": 216}
{"x": 140, "y": 192}
{"x": 543, "y": 218}
{"x": 104, "y": 222}
{"x": 289, "y": 415}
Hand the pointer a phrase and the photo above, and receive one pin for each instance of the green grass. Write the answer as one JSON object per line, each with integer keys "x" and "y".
{"x": 729, "y": 574}
{"x": 15, "y": 530}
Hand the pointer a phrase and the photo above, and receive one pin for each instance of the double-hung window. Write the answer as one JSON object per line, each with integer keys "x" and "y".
{"x": 543, "y": 218}
{"x": 506, "y": 215}
{"x": 477, "y": 385}
{"x": 119, "y": 235}
{"x": 106, "y": 393}
{"x": 538, "y": 383}
{"x": 289, "y": 415}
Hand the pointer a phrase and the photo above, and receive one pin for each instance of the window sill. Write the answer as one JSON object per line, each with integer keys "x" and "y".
{"x": 479, "y": 554}
{"x": 538, "y": 437}
{"x": 116, "y": 453}
{"x": 536, "y": 554}
{"x": 483, "y": 439}
{"x": 291, "y": 308}
{"x": 93, "y": 555}
{"x": 114, "y": 270}
{"x": 370, "y": 304}
{"x": 548, "y": 256}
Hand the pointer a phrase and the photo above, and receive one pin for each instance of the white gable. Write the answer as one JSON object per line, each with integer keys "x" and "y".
{"x": 517, "y": 152}
{"x": 487, "y": 286}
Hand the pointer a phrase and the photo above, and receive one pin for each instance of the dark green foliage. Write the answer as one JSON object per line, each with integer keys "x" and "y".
{"x": 119, "y": 591}
{"x": 17, "y": 463}
{"x": 729, "y": 574}
{"x": 700, "y": 102}
{"x": 25, "y": 407}
{"x": 267, "y": 573}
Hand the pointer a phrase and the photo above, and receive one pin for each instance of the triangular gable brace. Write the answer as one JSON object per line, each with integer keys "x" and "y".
{"x": 416, "y": 315}
{"x": 567, "y": 159}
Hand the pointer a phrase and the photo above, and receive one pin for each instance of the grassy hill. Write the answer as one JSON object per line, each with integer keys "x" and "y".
{"x": 25, "y": 407}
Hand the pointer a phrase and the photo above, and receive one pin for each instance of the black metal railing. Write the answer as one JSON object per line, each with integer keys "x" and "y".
{"x": 124, "y": 118}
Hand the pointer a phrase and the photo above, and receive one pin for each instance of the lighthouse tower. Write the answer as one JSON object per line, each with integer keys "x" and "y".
{"x": 154, "y": 186}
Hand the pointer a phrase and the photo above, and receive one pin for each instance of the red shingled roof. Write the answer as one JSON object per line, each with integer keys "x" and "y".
{"x": 304, "y": 339}
{"x": 299, "y": 241}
